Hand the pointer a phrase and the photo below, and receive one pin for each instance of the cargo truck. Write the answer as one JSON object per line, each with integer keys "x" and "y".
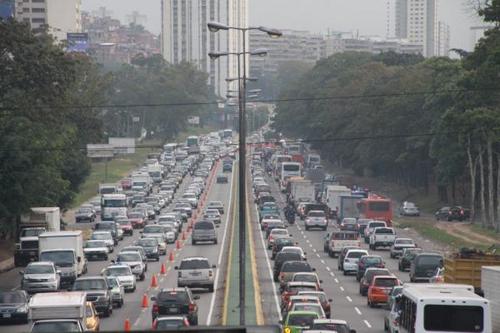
{"x": 31, "y": 225}
{"x": 465, "y": 267}
{"x": 155, "y": 171}
{"x": 333, "y": 193}
{"x": 52, "y": 312}
{"x": 108, "y": 188}
{"x": 302, "y": 191}
{"x": 348, "y": 207}
{"x": 65, "y": 250}
{"x": 490, "y": 283}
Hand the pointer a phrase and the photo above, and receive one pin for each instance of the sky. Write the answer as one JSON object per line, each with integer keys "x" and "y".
{"x": 368, "y": 17}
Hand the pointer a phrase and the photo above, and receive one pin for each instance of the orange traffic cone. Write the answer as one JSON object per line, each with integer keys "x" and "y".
{"x": 177, "y": 244}
{"x": 171, "y": 257}
{"x": 127, "y": 325}
{"x": 145, "y": 302}
{"x": 163, "y": 270}
{"x": 154, "y": 281}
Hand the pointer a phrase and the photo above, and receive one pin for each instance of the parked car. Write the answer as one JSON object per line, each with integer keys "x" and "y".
{"x": 454, "y": 213}
{"x": 408, "y": 208}
{"x": 175, "y": 301}
{"x": 196, "y": 272}
{"x": 14, "y": 307}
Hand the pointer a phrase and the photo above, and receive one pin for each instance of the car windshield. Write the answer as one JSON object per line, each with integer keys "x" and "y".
{"x": 355, "y": 254}
{"x": 59, "y": 326}
{"x": 89, "y": 284}
{"x": 194, "y": 264}
{"x": 98, "y": 236}
{"x": 94, "y": 244}
{"x": 373, "y": 260}
{"x": 305, "y": 278}
{"x": 153, "y": 230}
{"x": 39, "y": 269}
{"x": 385, "y": 282}
{"x": 129, "y": 257}
{"x": 135, "y": 215}
{"x": 123, "y": 222}
{"x": 168, "y": 324}
{"x": 118, "y": 271}
{"x": 429, "y": 261}
{"x": 203, "y": 226}
{"x": 60, "y": 258}
{"x": 302, "y": 320}
{"x": 11, "y": 297}
{"x": 296, "y": 267}
{"x": 112, "y": 281}
{"x": 179, "y": 297}
{"x": 148, "y": 242}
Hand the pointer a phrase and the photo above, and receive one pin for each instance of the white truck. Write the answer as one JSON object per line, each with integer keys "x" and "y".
{"x": 141, "y": 181}
{"x": 31, "y": 225}
{"x": 65, "y": 250}
{"x": 108, "y": 188}
{"x": 313, "y": 160}
{"x": 490, "y": 284}
{"x": 333, "y": 195}
{"x": 51, "y": 312}
{"x": 155, "y": 171}
{"x": 113, "y": 205}
{"x": 302, "y": 191}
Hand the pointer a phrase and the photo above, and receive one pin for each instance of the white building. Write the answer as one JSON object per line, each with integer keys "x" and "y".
{"x": 185, "y": 36}
{"x": 60, "y": 16}
{"x": 443, "y": 39}
{"x": 416, "y": 21}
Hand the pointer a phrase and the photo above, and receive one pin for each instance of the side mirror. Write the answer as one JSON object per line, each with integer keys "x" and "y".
{"x": 290, "y": 235}
{"x": 176, "y": 267}
{"x": 313, "y": 269}
{"x": 281, "y": 322}
{"x": 196, "y": 296}
{"x": 330, "y": 300}
{"x": 214, "y": 266}
{"x": 305, "y": 253}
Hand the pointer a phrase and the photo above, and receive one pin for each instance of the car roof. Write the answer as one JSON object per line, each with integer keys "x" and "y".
{"x": 330, "y": 321}
{"x": 166, "y": 318}
{"x": 42, "y": 263}
{"x": 301, "y": 283}
{"x": 194, "y": 258}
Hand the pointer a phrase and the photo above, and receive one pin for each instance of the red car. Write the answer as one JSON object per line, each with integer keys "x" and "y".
{"x": 137, "y": 220}
{"x": 126, "y": 184}
{"x": 126, "y": 226}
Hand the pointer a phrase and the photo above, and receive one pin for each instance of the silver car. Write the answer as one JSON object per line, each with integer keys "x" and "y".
{"x": 204, "y": 231}
{"x": 117, "y": 291}
{"x": 134, "y": 261}
{"x": 123, "y": 274}
{"x": 105, "y": 236}
{"x": 40, "y": 276}
{"x": 196, "y": 272}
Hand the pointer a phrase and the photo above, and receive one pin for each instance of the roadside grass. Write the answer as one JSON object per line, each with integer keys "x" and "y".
{"x": 485, "y": 232}
{"x": 428, "y": 230}
{"x": 121, "y": 167}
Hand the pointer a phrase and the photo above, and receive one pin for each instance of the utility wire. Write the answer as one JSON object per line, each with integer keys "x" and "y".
{"x": 298, "y": 99}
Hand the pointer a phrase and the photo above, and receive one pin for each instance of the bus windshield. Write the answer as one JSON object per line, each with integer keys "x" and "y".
{"x": 114, "y": 203}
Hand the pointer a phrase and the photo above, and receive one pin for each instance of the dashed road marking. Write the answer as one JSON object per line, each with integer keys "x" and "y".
{"x": 336, "y": 280}
{"x": 137, "y": 322}
{"x": 328, "y": 268}
{"x": 348, "y": 298}
{"x": 307, "y": 241}
{"x": 317, "y": 254}
{"x": 322, "y": 261}
{"x": 341, "y": 288}
{"x": 304, "y": 236}
{"x": 310, "y": 245}
{"x": 367, "y": 323}
{"x": 357, "y": 310}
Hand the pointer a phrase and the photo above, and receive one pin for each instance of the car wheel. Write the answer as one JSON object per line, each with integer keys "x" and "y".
{"x": 307, "y": 228}
{"x": 157, "y": 258}
{"x": 400, "y": 268}
{"x": 193, "y": 242}
{"x": 215, "y": 241}
{"x": 195, "y": 321}
{"x": 345, "y": 272}
{"x": 142, "y": 277}
{"x": 386, "y": 328}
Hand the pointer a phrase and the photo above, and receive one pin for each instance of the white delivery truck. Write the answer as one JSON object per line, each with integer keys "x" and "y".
{"x": 302, "y": 191}
{"x": 31, "y": 225}
{"x": 334, "y": 193}
{"x": 113, "y": 205}
{"x": 490, "y": 284}
{"x": 155, "y": 171}
{"x": 141, "y": 182}
{"x": 108, "y": 188}
{"x": 51, "y": 312}
{"x": 65, "y": 250}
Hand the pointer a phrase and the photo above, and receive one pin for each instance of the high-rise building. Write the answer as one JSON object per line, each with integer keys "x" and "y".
{"x": 416, "y": 21}
{"x": 58, "y": 16}
{"x": 185, "y": 36}
{"x": 443, "y": 39}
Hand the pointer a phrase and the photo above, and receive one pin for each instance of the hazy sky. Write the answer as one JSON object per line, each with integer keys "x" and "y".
{"x": 367, "y": 16}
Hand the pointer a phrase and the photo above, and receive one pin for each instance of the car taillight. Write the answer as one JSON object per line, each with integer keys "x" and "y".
{"x": 462, "y": 212}
{"x": 155, "y": 308}
{"x": 192, "y": 307}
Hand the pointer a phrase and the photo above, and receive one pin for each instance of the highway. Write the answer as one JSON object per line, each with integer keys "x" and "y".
{"x": 210, "y": 304}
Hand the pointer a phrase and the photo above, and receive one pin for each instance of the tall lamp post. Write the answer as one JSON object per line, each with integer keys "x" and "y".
{"x": 215, "y": 27}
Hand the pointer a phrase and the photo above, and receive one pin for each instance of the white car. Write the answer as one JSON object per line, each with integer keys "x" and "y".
{"x": 400, "y": 244}
{"x": 196, "y": 272}
{"x": 316, "y": 219}
{"x": 294, "y": 249}
{"x": 96, "y": 249}
{"x": 105, "y": 236}
{"x": 350, "y": 264}
{"x": 134, "y": 261}
{"x": 123, "y": 273}
{"x": 382, "y": 236}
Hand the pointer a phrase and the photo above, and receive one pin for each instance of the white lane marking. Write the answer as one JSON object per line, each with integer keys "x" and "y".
{"x": 327, "y": 268}
{"x": 336, "y": 280}
{"x": 317, "y": 254}
{"x": 314, "y": 250}
{"x": 341, "y": 288}
{"x": 307, "y": 241}
{"x": 322, "y": 261}
{"x": 15, "y": 288}
{"x": 137, "y": 322}
{"x": 302, "y": 232}
{"x": 348, "y": 298}
{"x": 304, "y": 236}
{"x": 276, "y": 299}
{"x": 310, "y": 245}
{"x": 367, "y": 323}
{"x": 219, "y": 260}
{"x": 357, "y": 310}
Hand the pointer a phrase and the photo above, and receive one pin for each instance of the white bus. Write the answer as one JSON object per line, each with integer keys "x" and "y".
{"x": 289, "y": 169}
{"x": 113, "y": 205}
{"x": 443, "y": 308}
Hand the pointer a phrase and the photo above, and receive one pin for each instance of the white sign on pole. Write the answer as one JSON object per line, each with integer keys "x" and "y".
{"x": 123, "y": 145}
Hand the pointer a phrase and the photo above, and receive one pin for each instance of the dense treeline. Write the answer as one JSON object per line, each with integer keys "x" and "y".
{"x": 49, "y": 110}
{"x": 419, "y": 122}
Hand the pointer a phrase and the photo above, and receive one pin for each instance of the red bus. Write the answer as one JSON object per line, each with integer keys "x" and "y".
{"x": 376, "y": 208}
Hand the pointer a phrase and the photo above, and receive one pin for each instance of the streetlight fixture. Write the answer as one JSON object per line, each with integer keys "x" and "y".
{"x": 242, "y": 85}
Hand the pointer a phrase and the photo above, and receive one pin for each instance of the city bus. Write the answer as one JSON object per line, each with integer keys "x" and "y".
{"x": 375, "y": 208}
{"x": 228, "y": 133}
{"x": 442, "y": 308}
{"x": 288, "y": 170}
{"x": 113, "y": 205}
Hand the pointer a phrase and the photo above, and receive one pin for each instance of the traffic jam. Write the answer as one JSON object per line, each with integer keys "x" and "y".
{"x": 338, "y": 263}
{"x": 131, "y": 249}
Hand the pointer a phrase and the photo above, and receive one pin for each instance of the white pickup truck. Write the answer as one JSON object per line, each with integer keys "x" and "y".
{"x": 382, "y": 236}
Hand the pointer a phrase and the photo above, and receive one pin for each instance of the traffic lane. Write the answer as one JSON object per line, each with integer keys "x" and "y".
{"x": 140, "y": 318}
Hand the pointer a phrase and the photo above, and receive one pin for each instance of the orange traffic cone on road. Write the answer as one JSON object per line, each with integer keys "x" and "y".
{"x": 145, "y": 302}
{"x": 127, "y": 325}
{"x": 154, "y": 281}
{"x": 163, "y": 270}
{"x": 171, "y": 257}
{"x": 177, "y": 244}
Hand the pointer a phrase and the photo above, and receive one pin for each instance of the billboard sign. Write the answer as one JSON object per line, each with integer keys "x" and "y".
{"x": 123, "y": 145}
{"x": 194, "y": 120}
{"x": 77, "y": 41}
{"x": 6, "y": 9}
{"x": 100, "y": 151}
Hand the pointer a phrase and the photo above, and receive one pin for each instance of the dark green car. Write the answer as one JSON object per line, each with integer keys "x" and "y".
{"x": 296, "y": 321}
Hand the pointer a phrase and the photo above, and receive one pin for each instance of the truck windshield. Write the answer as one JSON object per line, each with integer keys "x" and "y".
{"x": 90, "y": 284}
{"x": 58, "y": 326}
{"x": 31, "y": 232}
{"x": 60, "y": 258}
{"x": 114, "y": 203}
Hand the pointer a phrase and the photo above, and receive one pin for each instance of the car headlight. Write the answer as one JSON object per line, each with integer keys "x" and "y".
{"x": 22, "y": 308}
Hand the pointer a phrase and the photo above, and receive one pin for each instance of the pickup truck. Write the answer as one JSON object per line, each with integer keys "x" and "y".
{"x": 382, "y": 236}
{"x": 336, "y": 240}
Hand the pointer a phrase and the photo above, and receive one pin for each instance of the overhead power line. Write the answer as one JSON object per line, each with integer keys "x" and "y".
{"x": 277, "y": 100}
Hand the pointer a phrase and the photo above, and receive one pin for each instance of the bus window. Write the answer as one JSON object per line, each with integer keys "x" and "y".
{"x": 379, "y": 206}
{"x": 459, "y": 318}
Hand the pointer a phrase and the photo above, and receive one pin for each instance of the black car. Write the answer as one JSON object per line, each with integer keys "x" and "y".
{"x": 280, "y": 259}
{"x": 455, "y": 213}
{"x": 14, "y": 306}
{"x": 280, "y": 243}
{"x": 175, "y": 301}
{"x": 85, "y": 214}
{"x": 423, "y": 266}
{"x": 221, "y": 179}
{"x": 151, "y": 247}
{"x": 227, "y": 167}
{"x": 407, "y": 257}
